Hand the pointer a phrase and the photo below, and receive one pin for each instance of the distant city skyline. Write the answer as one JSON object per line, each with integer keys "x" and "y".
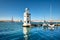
{"x": 39, "y": 9}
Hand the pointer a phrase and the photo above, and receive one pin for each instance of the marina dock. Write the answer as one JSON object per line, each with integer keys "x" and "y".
{"x": 37, "y": 25}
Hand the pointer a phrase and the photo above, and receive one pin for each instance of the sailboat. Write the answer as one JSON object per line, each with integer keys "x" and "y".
{"x": 44, "y": 22}
{"x": 51, "y": 24}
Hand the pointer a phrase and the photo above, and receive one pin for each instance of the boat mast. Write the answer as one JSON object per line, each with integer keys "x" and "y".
{"x": 50, "y": 12}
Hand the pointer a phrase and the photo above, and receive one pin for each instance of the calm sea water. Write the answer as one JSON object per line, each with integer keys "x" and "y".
{"x": 14, "y": 31}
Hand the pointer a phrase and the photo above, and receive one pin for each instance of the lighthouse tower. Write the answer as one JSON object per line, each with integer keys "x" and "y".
{"x": 27, "y": 19}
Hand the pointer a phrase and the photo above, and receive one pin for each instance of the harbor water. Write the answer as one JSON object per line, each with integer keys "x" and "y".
{"x": 14, "y": 31}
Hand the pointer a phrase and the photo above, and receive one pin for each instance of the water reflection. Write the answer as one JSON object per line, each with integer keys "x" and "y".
{"x": 42, "y": 32}
{"x": 26, "y": 31}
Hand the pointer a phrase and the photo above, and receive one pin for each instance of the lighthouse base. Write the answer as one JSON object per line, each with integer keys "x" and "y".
{"x": 27, "y": 25}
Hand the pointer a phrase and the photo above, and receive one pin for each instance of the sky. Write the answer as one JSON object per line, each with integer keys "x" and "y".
{"x": 39, "y": 9}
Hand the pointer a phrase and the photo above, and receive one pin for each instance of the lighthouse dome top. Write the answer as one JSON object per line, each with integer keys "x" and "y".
{"x": 26, "y": 9}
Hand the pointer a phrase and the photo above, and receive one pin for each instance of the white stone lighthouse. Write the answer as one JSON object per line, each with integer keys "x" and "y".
{"x": 27, "y": 19}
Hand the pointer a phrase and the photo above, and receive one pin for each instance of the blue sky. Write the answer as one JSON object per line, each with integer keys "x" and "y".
{"x": 38, "y": 9}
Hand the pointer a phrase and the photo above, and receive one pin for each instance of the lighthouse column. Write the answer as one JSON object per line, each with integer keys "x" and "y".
{"x": 27, "y": 20}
